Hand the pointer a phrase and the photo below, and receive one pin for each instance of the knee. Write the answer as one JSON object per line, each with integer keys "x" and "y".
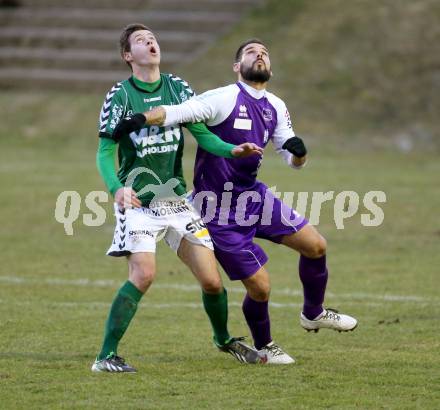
{"x": 316, "y": 248}
{"x": 261, "y": 292}
{"x": 142, "y": 276}
{"x": 212, "y": 286}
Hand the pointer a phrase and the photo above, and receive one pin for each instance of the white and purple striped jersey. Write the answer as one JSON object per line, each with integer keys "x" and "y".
{"x": 237, "y": 113}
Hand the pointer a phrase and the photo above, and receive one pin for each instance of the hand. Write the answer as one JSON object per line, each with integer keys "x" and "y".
{"x": 299, "y": 162}
{"x": 156, "y": 116}
{"x": 295, "y": 146}
{"x": 128, "y": 125}
{"x": 126, "y": 197}
{"x": 246, "y": 150}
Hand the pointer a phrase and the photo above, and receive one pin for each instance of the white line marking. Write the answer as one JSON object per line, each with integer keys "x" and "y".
{"x": 192, "y": 288}
{"x": 150, "y": 305}
{"x": 147, "y": 305}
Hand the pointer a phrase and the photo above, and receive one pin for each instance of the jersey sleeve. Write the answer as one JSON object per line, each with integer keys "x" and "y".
{"x": 182, "y": 88}
{"x": 283, "y": 130}
{"x": 105, "y": 162}
{"x": 212, "y": 107}
{"x": 113, "y": 109}
{"x": 210, "y": 142}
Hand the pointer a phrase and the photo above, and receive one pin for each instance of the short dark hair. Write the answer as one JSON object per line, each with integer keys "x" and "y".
{"x": 239, "y": 52}
{"x": 124, "y": 42}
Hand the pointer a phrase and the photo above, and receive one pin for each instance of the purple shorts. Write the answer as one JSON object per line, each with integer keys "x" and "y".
{"x": 233, "y": 241}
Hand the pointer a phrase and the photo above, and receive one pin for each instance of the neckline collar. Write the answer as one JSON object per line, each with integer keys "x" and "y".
{"x": 257, "y": 94}
{"x": 144, "y": 86}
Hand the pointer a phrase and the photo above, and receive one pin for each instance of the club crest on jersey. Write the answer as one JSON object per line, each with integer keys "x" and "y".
{"x": 267, "y": 114}
{"x": 183, "y": 96}
{"x": 242, "y": 111}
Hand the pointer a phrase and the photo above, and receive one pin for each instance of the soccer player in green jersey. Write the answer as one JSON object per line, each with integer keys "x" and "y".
{"x": 149, "y": 192}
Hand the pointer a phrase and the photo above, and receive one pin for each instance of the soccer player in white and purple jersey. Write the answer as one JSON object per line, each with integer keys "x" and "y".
{"x": 245, "y": 208}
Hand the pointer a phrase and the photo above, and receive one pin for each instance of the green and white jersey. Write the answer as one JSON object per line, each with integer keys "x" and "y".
{"x": 155, "y": 152}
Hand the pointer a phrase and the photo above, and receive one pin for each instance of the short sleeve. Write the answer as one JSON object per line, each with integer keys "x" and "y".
{"x": 183, "y": 89}
{"x": 113, "y": 109}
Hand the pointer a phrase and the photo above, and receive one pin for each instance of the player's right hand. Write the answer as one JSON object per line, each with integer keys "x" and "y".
{"x": 128, "y": 125}
{"x": 246, "y": 150}
{"x": 126, "y": 197}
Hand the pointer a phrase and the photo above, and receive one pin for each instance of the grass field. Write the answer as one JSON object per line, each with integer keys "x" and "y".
{"x": 55, "y": 290}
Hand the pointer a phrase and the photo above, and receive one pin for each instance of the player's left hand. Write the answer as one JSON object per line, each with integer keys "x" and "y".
{"x": 128, "y": 125}
{"x": 246, "y": 150}
{"x": 295, "y": 146}
{"x": 126, "y": 198}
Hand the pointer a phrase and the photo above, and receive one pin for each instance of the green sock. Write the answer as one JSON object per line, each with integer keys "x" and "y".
{"x": 216, "y": 307}
{"x": 121, "y": 312}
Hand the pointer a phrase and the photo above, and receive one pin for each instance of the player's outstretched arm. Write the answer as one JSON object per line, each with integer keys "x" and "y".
{"x": 194, "y": 110}
{"x": 246, "y": 150}
{"x": 212, "y": 143}
{"x": 137, "y": 121}
{"x": 156, "y": 116}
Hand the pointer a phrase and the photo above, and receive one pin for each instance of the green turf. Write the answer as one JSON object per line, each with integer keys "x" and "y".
{"x": 55, "y": 289}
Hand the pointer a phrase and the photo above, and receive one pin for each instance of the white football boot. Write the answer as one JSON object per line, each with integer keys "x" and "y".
{"x": 112, "y": 364}
{"x": 330, "y": 319}
{"x": 273, "y": 354}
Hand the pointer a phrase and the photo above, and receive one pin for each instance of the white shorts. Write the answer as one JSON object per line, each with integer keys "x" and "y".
{"x": 139, "y": 229}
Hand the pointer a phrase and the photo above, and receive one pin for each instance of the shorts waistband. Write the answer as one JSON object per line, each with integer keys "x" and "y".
{"x": 167, "y": 203}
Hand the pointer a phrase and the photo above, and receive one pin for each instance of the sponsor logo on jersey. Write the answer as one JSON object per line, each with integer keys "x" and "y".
{"x": 105, "y": 110}
{"x": 147, "y": 100}
{"x": 157, "y": 150}
{"x": 116, "y": 116}
{"x": 148, "y": 139}
{"x": 243, "y": 111}
{"x": 243, "y": 124}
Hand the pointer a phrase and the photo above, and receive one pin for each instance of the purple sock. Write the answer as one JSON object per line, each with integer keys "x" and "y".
{"x": 313, "y": 274}
{"x": 257, "y": 318}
